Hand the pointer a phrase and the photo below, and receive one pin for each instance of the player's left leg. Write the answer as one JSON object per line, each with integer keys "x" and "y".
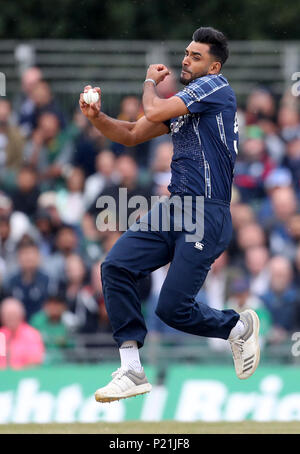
{"x": 177, "y": 306}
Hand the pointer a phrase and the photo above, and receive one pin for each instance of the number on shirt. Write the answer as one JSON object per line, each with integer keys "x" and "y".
{"x": 235, "y": 130}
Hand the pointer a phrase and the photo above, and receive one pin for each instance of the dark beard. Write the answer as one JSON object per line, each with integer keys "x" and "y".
{"x": 184, "y": 81}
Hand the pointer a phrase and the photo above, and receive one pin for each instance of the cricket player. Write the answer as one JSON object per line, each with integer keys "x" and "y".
{"x": 202, "y": 121}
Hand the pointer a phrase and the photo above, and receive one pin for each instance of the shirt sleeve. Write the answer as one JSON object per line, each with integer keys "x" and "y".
{"x": 203, "y": 94}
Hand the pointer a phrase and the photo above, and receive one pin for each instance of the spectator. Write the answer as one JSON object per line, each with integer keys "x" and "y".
{"x": 296, "y": 284}
{"x": 242, "y": 215}
{"x": 11, "y": 145}
{"x": 240, "y": 299}
{"x": 50, "y": 150}
{"x": 26, "y": 110}
{"x": 277, "y": 178}
{"x": 252, "y": 167}
{"x": 280, "y": 298}
{"x": 249, "y": 236}
{"x": 217, "y": 281}
{"x": 78, "y": 296}
{"x": 131, "y": 110}
{"x": 97, "y": 293}
{"x": 260, "y": 105}
{"x": 161, "y": 165}
{"x": 297, "y": 265}
{"x": 289, "y": 122}
{"x": 49, "y": 321}
{"x": 45, "y": 232}
{"x": 7, "y": 244}
{"x": 19, "y": 223}
{"x": 261, "y": 112}
{"x": 284, "y": 206}
{"x": 70, "y": 201}
{"x": 88, "y": 142}
{"x": 26, "y": 195}
{"x": 108, "y": 239}
{"x": 256, "y": 261}
{"x": 292, "y": 161}
{"x": 66, "y": 244}
{"x": 30, "y": 284}
{"x": 24, "y": 346}
{"x": 127, "y": 171}
{"x": 47, "y": 202}
{"x": 44, "y": 102}
{"x": 293, "y": 227}
{"x": 104, "y": 176}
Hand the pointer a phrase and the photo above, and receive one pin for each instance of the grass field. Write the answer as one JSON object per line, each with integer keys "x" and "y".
{"x": 165, "y": 427}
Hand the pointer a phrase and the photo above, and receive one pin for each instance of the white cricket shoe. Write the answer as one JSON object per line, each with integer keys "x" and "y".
{"x": 125, "y": 383}
{"x": 245, "y": 347}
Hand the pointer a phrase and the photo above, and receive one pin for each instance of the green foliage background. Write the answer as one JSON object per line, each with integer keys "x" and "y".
{"x": 148, "y": 19}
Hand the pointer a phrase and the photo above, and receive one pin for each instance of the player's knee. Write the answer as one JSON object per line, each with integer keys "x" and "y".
{"x": 165, "y": 309}
{"x": 173, "y": 307}
{"x": 114, "y": 273}
{"x": 169, "y": 318}
{"x": 162, "y": 314}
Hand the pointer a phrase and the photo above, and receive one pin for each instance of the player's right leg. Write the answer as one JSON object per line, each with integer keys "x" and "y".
{"x": 133, "y": 256}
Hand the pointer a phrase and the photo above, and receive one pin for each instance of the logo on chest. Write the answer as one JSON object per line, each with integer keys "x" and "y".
{"x": 176, "y": 125}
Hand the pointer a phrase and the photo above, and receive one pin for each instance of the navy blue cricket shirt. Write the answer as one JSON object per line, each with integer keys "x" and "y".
{"x": 205, "y": 140}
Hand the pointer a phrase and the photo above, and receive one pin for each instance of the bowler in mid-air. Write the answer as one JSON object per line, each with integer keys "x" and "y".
{"x": 202, "y": 121}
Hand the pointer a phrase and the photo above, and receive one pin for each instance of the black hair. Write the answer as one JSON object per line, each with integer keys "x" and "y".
{"x": 26, "y": 242}
{"x": 65, "y": 226}
{"x": 55, "y": 297}
{"x": 216, "y": 40}
{"x": 29, "y": 167}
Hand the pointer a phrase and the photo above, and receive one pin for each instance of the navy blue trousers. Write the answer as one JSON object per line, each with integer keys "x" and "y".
{"x": 138, "y": 253}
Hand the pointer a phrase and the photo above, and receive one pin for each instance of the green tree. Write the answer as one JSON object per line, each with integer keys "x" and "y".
{"x": 148, "y": 19}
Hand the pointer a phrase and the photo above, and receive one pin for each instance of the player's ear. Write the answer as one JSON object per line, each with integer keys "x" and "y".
{"x": 215, "y": 67}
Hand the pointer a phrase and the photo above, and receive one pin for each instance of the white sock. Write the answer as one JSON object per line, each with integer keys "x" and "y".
{"x": 130, "y": 358}
{"x": 237, "y": 330}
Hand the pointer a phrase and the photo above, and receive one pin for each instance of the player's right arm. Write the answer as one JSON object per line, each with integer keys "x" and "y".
{"x": 125, "y": 132}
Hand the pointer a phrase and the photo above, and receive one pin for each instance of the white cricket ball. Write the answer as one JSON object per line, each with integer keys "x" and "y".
{"x": 90, "y": 96}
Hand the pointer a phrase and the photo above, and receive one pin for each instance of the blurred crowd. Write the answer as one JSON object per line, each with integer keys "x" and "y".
{"x": 54, "y": 168}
